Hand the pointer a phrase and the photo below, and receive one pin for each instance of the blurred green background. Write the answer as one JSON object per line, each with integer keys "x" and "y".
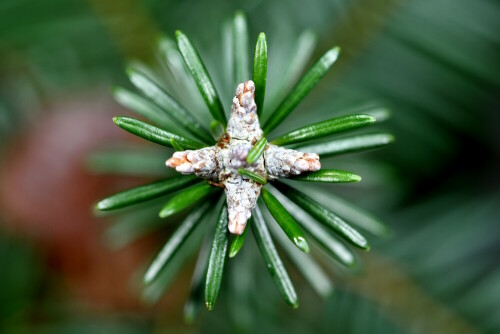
{"x": 434, "y": 64}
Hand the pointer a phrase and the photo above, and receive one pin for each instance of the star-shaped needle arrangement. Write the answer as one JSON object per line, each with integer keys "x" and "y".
{"x": 229, "y": 173}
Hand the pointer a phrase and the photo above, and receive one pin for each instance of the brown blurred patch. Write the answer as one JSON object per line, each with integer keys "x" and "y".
{"x": 47, "y": 195}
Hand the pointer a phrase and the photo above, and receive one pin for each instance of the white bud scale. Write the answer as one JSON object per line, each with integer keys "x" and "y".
{"x": 220, "y": 163}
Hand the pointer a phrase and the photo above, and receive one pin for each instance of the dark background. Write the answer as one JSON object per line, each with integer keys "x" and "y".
{"x": 434, "y": 64}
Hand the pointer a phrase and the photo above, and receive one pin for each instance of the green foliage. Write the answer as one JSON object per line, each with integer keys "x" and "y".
{"x": 272, "y": 260}
{"x": 349, "y": 144}
{"x": 251, "y": 175}
{"x": 322, "y": 214}
{"x": 186, "y": 198}
{"x": 154, "y": 134}
{"x": 238, "y": 242}
{"x": 142, "y": 106}
{"x": 290, "y": 217}
{"x": 128, "y": 161}
{"x": 312, "y": 271}
{"x": 256, "y": 151}
{"x": 330, "y": 244}
{"x": 175, "y": 241}
{"x": 194, "y": 302}
{"x": 131, "y": 226}
{"x": 259, "y": 75}
{"x": 201, "y": 77}
{"x": 176, "y": 146}
{"x": 300, "y": 91}
{"x": 434, "y": 70}
{"x": 216, "y": 129}
{"x": 144, "y": 193}
{"x": 21, "y": 280}
{"x": 217, "y": 259}
{"x": 298, "y": 59}
{"x": 328, "y": 176}
{"x": 285, "y": 220}
{"x": 153, "y": 292}
{"x": 240, "y": 48}
{"x": 325, "y": 128}
{"x": 168, "y": 104}
{"x": 351, "y": 213}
